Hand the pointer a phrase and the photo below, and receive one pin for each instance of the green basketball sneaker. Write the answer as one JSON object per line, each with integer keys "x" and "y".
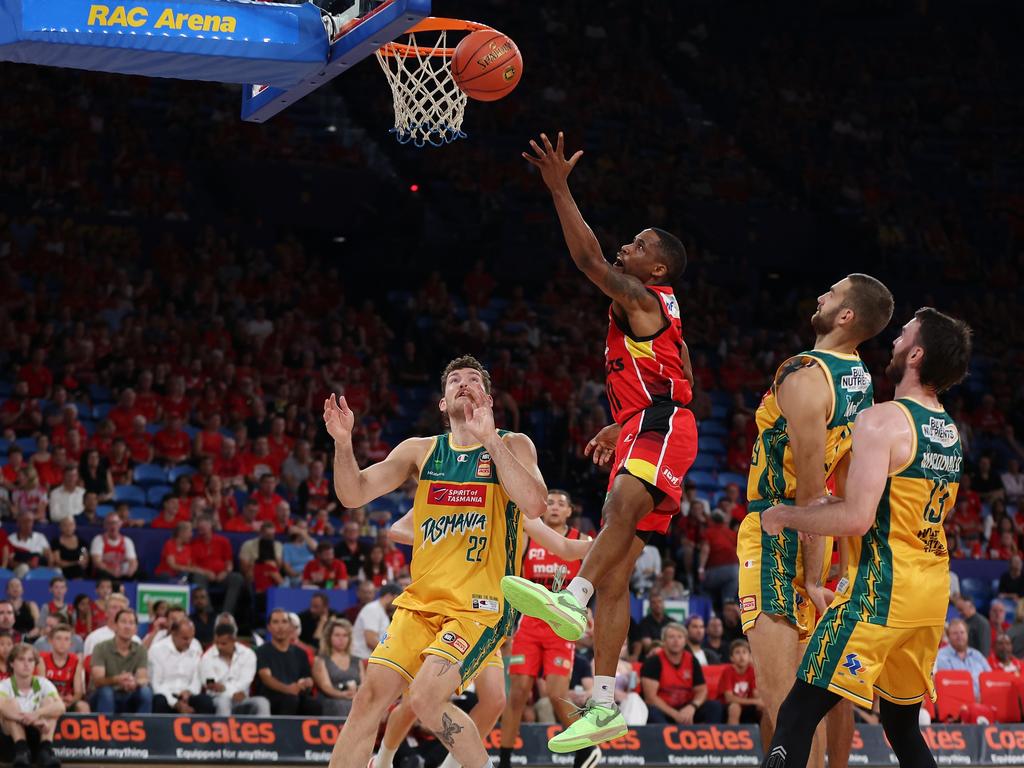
{"x": 560, "y": 610}
{"x": 596, "y": 725}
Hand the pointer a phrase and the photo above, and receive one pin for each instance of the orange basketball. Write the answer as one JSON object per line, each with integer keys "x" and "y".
{"x": 487, "y": 65}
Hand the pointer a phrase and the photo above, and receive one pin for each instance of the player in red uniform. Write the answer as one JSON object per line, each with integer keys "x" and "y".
{"x": 64, "y": 670}
{"x": 653, "y": 440}
{"x": 536, "y": 649}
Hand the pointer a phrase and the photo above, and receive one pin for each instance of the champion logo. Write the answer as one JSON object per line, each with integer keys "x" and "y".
{"x": 853, "y": 664}
{"x": 462, "y": 458}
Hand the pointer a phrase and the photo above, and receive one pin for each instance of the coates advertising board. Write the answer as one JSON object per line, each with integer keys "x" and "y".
{"x": 250, "y": 740}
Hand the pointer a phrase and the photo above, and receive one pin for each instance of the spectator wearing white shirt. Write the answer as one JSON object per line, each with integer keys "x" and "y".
{"x": 174, "y": 614}
{"x": 115, "y": 604}
{"x": 68, "y": 498}
{"x": 646, "y": 570}
{"x": 174, "y": 673}
{"x": 1013, "y": 483}
{"x": 27, "y": 701}
{"x": 373, "y": 621}
{"x": 113, "y": 555}
{"x": 29, "y": 548}
{"x": 227, "y": 670}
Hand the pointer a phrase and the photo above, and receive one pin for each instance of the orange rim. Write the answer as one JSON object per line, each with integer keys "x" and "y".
{"x": 432, "y": 24}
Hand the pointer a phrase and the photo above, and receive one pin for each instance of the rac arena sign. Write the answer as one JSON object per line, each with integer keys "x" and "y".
{"x": 167, "y": 18}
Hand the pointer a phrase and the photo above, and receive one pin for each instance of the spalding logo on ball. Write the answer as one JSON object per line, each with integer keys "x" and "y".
{"x": 487, "y": 65}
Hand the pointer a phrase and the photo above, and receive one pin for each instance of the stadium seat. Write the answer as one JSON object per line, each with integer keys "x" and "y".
{"x": 103, "y": 510}
{"x": 155, "y": 495}
{"x": 704, "y": 463}
{"x": 955, "y": 689}
{"x": 130, "y": 493}
{"x": 711, "y": 428}
{"x": 6, "y": 573}
{"x": 27, "y": 445}
{"x": 711, "y": 445}
{"x": 702, "y": 479}
{"x": 4, "y": 446}
{"x": 100, "y": 411}
{"x": 41, "y": 574}
{"x": 978, "y": 590}
{"x": 713, "y": 678}
{"x": 724, "y": 478}
{"x": 147, "y": 475}
{"x": 1001, "y": 691}
{"x": 177, "y": 472}
{"x": 100, "y": 394}
{"x": 719, "y": 412}
{"x": 146, "y": 514}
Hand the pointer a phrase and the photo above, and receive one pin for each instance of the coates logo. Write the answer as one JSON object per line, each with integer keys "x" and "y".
{"x": 447, "y": 495}
{"x": 1000, "y": 739}
{"x": 100, "y": 728}
{"x": 707, "y": 739}
{"x": 673, "y": 478}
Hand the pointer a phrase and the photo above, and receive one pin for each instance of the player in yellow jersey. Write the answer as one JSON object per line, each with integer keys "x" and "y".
{"x": 882, "y": 632}
{"x": 474, "y": 485}
{"x": 804, "y": 423}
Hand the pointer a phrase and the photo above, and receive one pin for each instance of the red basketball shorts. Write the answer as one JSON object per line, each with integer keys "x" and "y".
{"x": 537, "y": 651}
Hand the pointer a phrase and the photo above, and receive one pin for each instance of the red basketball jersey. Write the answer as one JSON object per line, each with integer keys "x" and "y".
{"x": 541, "y": 566}
{"x": 63, "y": 678}
{"x": 643, "y": 370}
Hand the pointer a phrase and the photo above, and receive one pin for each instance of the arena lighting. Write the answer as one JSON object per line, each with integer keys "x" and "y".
{"x": 414, "y": 187}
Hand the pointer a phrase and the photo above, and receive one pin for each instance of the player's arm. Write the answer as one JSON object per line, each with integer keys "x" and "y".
{"x": 515, "y": 457}
{"x": 401, "y": 531}
{"x": 804, "y": 399}
{"x": 877, "y": 436}
{"x": 354, "y": 486}
{"x": 555, "y": 543}
{"x": 584, "y": 247}
{"x": 684, "y": 354}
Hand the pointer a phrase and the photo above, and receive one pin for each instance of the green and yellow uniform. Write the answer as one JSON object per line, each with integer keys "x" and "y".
{"x": 882, "y": 633}
{"x": 468, "y": 534}
{"x": 771, "y": 567}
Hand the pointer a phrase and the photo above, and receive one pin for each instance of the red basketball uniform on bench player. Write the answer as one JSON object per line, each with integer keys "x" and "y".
{"x": 536, "y": 649}
{"x": 647, "y": 390}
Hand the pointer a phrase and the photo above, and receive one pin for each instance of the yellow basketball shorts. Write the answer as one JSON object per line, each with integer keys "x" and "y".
{"x": 414, "y": 635}
{"x": 855, "y": 659}
{"x": 771, "y": 569}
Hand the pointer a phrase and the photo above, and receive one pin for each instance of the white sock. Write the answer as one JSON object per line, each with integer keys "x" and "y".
{"x": 384, "y": 758}
{"x": 604, "y": 690}
{"x": 581, "y": 589}
{"x": 450, "y": 762}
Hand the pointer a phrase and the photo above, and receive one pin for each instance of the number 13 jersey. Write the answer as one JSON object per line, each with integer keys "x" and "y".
{"x": 467, "y": 535}
{"x": 899, "y": 569}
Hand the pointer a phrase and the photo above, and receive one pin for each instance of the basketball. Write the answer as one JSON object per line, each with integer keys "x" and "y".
{"x": 487, "y": 65}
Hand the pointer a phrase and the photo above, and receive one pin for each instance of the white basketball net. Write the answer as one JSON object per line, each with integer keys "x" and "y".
{"x": 429, "y": 106}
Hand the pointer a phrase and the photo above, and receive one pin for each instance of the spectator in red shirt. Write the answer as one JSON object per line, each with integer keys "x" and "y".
{"x": 267, "y": 497}
{"x": 737, "y": 458}
{"x": 739, "y": 506}
{"x": 393, "y": 556}
{"x": 212, "y": 553}
{"x": 50, "y": 464}
{"x": 324, "y": 571}
{"x": 673, "y": 683}
{"x": 103, "y": 438}
{"x": 719, "y": 570}
{"x": 69, "y": 423}
{"x": 260, "y": 461}
{"x": 121, "y": 462}
{"x": 739, "y": 688}
{"x": 172, "y": 512}
{"x": 376, "y": 447}
{"x": 176, "y": 555}
{"x": 172, "y": 444}
{"x": 139, "y": 441}
{"x": 209, "y": 441}
{"x": 228, "y": 465}
{"x": 123, "y": 414}
{"x": 967, "y": 513}
{"x": 246, "y": 522}
{"x": 147, "y": 402}
{"x": 36, "y": 375}
{"x": 1002, "y": 659}
{"x": 176, "y": 403}
{"x": 222, "y": 505}
{"x": 9, "y": 472}
{"x": 279, "y": 443}
{"x": 20, "y": 412}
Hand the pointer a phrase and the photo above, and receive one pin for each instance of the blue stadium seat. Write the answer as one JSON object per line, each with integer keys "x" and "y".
{"x": 719, "y": 412}
{"x": 145, "y": 514}
{"x": 103, "y": 510}
{"x": 27, "y": 444}
{"x": 705, "y": 462}
{"x": 711, "y": 445}
{"x": 711, "y": 428}
{"x": 155, "y": 495}
{"x": 191, "y": 431}
{"x": 6, "y": 573}
{"x": 4, "y": 446}
{"x": 100, "y": 411}
{"x": 41, "y": 574}
{"x": 702, "y": 479}
{"x": 100, "y": 394}
{"x": 978, "y": 590}
{"x": 130, "y": 493}
{"x": 147, "y": 475}
{"x": 724, "y": 478}
{"x": 177, "y": 472}
{"x": 153, "y": 428}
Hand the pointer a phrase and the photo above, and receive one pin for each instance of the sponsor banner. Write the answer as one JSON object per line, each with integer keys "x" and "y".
{"x": 251, "y": 740}
{"x": 147, "y": 594}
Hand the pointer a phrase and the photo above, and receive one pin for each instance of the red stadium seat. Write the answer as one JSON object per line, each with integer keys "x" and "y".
{"x": 955, "y": 688}
{"x": 637, "y": 666}
{"x": 1001, "y": 691}
{"x": 929, "y": 706}
{"x": 713, "y": 676}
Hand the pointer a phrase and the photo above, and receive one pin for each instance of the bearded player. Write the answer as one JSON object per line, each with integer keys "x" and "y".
{"x": 648, "y": 384}
{"x": 804, "y": 423}
{"x": 472, "y": 484}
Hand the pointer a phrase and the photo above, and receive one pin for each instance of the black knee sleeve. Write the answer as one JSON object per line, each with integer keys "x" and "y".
{"x": 903, "y": 730}
{"x": 799, "y": 716}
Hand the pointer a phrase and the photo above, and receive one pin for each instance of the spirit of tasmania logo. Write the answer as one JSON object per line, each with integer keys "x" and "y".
{"x": 455, "y": 495}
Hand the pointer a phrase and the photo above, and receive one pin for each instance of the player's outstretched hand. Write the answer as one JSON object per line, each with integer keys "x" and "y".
{"x": 479, "y": 416}
{"x": 602, "y": 445}
{"x": 338, "y": 418}
{"x": 554, "y": 168}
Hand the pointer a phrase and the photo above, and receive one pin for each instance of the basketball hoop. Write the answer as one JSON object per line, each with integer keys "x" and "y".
{"x": 429, "y": 106}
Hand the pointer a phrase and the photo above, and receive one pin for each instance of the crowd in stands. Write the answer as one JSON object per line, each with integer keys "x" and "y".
{"x": 166, "y": 351}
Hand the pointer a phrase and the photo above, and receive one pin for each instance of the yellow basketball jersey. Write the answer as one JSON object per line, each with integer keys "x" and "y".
{"x": 772, "y": 478}
{"x": 468, "y": 535}
{"x": 899, "y": 569}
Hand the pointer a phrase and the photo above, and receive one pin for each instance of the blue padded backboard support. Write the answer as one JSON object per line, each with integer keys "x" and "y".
{"x": 384, "y": 24}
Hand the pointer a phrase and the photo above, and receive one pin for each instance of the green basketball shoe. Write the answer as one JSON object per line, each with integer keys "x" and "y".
{"x": 560, "y": 610}
{"x": 597, "y": 724}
